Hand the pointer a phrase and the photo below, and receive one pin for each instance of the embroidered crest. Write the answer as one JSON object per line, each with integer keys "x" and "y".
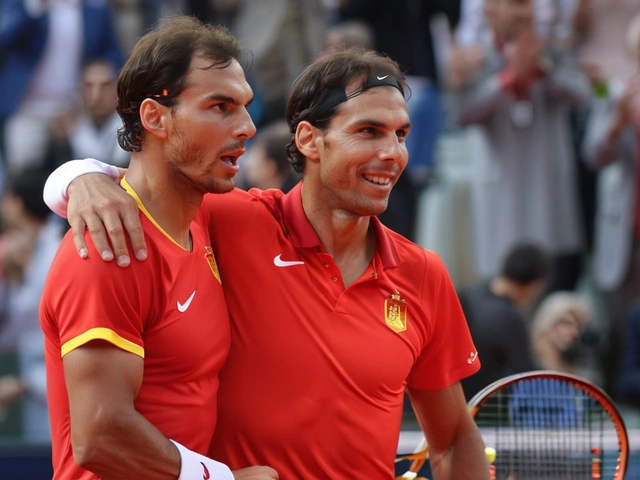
{"x": 211, "y": 260}
{"x": 395, "y": 312}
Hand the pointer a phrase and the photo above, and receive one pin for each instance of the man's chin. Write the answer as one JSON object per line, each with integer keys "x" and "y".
{"x": 225, "y": 186}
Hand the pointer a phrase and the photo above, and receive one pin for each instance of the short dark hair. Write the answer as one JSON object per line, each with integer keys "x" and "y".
{"x": 328, "y": 72}
{"x": 525, "y": 263}
{"x": 158, "y": 68}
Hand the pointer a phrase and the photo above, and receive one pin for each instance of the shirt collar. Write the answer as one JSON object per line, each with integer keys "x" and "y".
{"x": 303, "y": 235}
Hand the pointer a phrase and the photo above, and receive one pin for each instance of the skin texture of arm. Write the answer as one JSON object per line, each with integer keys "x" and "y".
{"x": 109, "y": 437}
{"x": 456, "y": 449}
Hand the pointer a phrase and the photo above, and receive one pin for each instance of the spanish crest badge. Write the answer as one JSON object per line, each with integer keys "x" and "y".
{"x": 395, "y": 312}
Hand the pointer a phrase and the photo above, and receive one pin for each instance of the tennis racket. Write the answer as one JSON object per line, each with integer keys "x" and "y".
{"x": 551, "y": 425}
{"x": 547, "y": 425}
{"x": 419, "y": 457}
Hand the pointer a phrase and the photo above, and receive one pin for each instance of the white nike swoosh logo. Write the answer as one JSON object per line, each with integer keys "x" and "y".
{"x": 382, "y": 78}
{"x": 283, "y": 263}
{"x": 182, "y": 307}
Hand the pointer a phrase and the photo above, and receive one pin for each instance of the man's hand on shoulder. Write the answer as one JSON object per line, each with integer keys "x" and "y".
{"x": 255, "y": 473}
{"x": 98, "y": 204}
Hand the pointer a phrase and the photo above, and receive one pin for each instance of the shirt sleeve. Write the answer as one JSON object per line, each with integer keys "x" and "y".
{"x": 90, "y": 299}
{"x": 449, "y": 353}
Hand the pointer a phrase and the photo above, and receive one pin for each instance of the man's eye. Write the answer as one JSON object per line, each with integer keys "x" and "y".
{"x": 221, "y": 107}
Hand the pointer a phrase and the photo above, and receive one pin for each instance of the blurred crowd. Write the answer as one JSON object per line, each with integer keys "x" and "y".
{"x": 541, "y": 97}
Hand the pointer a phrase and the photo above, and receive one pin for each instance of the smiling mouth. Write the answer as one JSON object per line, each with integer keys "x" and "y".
{"x": 378, "y": 180}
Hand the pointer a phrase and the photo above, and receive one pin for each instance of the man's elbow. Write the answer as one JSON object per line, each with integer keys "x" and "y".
{"x": 90, "y": 442}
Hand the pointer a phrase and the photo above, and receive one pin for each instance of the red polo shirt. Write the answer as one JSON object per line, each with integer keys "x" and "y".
{"x": 169, "y": 310}
{"x": 314, "y": 382}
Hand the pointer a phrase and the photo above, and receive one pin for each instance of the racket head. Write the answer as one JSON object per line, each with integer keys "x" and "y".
{"x": 547, "y": 424}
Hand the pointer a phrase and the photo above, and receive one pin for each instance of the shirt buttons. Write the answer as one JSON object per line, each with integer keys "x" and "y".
{"x": 326, "y": 265}
{"x": 335, "y": 279}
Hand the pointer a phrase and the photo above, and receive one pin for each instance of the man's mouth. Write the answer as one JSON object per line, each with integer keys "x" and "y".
{"x": 377, "y": 179}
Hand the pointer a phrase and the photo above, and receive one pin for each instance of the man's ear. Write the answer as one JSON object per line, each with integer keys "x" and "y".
{"x": 155, "y": 117}
{"x": 307, "y": 140}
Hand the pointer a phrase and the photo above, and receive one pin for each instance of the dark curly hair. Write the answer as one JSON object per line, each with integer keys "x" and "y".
{"x": 159, "y": 64}
{"x": 328, "y": 72}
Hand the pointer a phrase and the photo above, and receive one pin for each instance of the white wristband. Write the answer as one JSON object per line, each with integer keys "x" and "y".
{"x": 55, "y": 190}
{"x": 195, "y": 466}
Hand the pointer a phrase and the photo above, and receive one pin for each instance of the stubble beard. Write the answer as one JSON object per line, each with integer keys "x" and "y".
{"x": 185, "y": 157}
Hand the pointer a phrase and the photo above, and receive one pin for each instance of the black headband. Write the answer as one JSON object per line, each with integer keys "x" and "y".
{"x": 337, "y": 94}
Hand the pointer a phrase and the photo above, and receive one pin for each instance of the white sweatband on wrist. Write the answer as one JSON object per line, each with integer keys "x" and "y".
{"x": 55, "y": 190}
{"x": 194, "y": 466}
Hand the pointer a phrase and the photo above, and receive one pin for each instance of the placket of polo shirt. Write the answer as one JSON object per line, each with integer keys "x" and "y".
{"x": 331, "y": 269}
{"x": 334, "y": 277}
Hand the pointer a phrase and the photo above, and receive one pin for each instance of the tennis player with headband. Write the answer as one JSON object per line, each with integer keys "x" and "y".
{"x": 132, "y": 386}
{"x": 333, "y": 315}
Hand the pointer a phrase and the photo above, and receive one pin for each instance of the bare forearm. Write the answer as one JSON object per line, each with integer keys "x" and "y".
{"x": 127, "y": 446}
{"x": 466, "y": 460}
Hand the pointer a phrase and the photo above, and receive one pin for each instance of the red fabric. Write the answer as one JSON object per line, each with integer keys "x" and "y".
{"x": 183, "y": 352}
{"x": 314, "y": 382}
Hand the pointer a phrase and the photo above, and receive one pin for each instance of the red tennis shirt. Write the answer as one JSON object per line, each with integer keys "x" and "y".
{"x": 314, "y": 382}
{"x": 170, "y": 310}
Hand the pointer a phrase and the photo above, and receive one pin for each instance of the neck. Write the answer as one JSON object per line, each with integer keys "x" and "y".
{"x": 345, "y": 236}
{"x": 503, "y": 287}
{"x": 172, "y": 208}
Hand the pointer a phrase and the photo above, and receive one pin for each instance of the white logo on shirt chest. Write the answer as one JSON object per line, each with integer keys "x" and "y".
{"x": 182, "y": 307}
{"x": 284, "y": 263}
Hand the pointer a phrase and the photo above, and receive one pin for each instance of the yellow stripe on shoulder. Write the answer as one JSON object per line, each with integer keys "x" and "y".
{"x": 101, "y": 333}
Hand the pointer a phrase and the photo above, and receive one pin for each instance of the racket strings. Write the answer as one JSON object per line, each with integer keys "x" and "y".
{"x": 546, "y": 428}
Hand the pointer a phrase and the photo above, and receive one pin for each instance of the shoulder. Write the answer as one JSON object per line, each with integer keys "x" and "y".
{"x": 69, "y": 268}
{"x": 413, "y": 256}
{"x": 240, "y": 207}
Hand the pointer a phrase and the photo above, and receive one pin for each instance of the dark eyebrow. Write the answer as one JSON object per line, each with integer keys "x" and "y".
{"x": 379, "y": 124}
{"x": 228, "y": 99}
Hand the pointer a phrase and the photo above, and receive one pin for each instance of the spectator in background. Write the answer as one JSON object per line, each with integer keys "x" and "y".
{"x": 600, "y": 40}
{"x": 30, "y": 239}
{"x": 494, "y": 314}
{"x": 284, "y": 36}
{"x": 405, "y": 30}
{"x": 91, "y": 130}
{"x": 553, "y": 20}
{"x": 557, "y": 325}
{"x": 128, "y": 17}
{"x": 628, "y": 381}
{"x": 349, "y": 34}
{"x": 611, "y": 146}
{"x": 524, "y": 181}
{"x": 267, "y": 164}
{"x": 43, "y": 45}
